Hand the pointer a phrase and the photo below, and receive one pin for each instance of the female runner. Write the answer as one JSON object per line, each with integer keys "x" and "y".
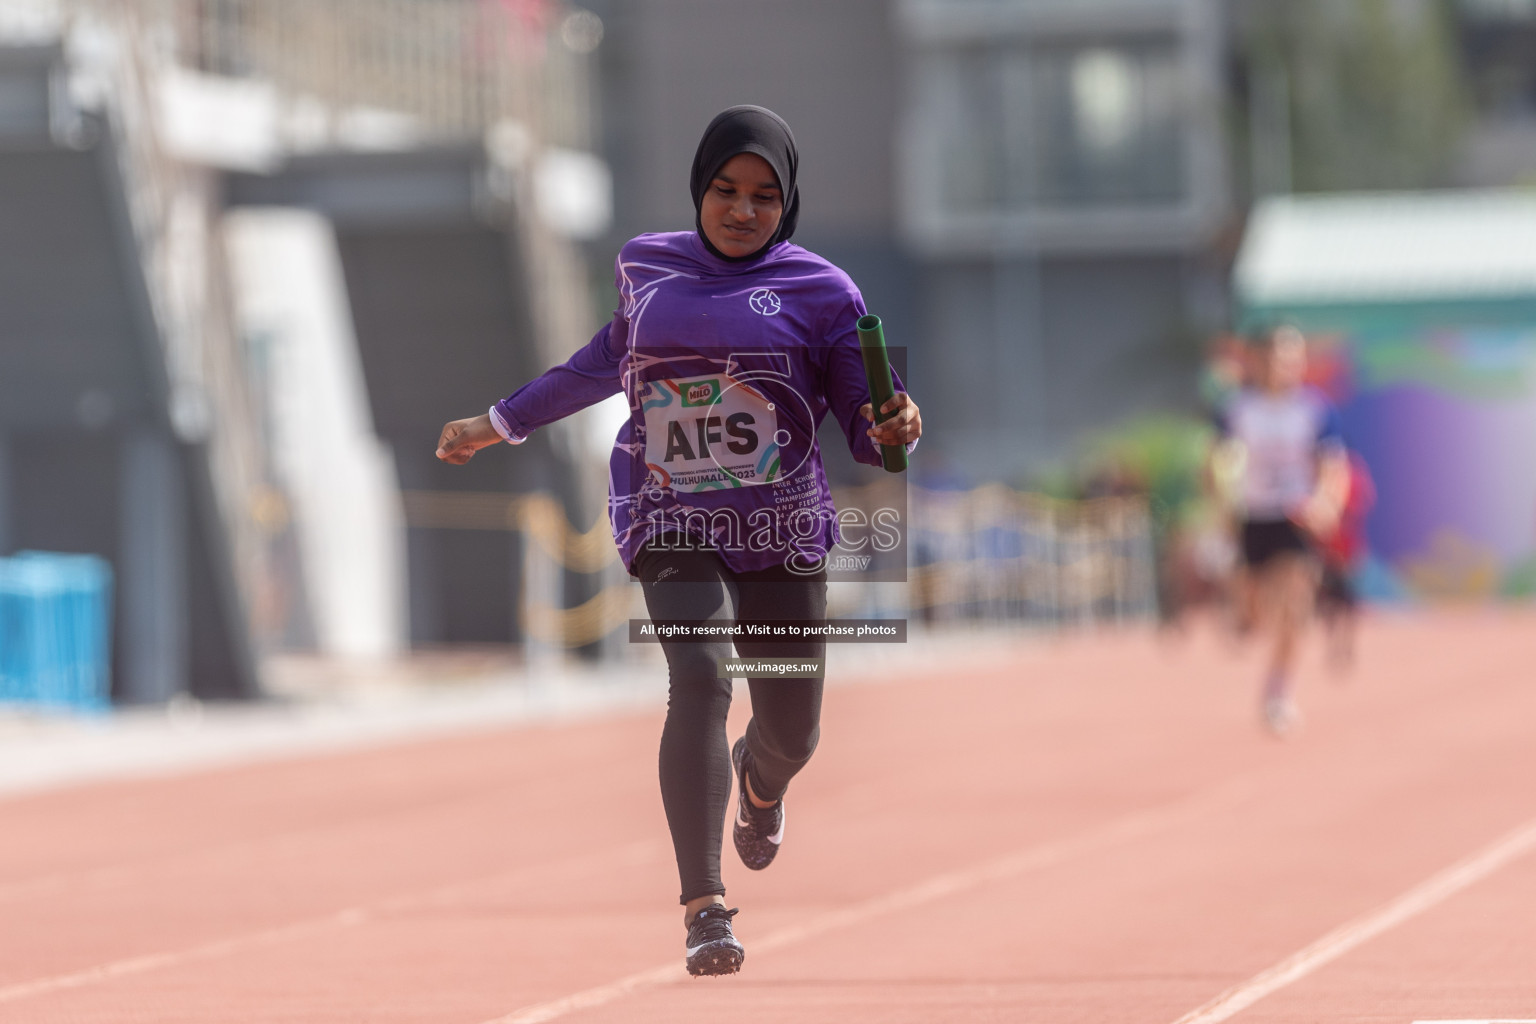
{"x": 732, "y": 345}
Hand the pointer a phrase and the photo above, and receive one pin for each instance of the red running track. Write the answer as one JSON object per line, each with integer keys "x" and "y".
{"x": 1090, "y": 829}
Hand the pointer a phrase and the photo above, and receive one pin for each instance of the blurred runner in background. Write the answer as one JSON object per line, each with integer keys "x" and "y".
{"x": 1341, "y": 549}
{"x": 1280, "y": 444}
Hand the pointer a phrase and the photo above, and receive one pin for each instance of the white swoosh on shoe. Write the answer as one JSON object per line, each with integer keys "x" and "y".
{"x": 777, "y": 837}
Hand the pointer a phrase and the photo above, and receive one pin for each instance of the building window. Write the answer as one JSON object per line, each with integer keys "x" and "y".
{"x": 1058, "y": 126}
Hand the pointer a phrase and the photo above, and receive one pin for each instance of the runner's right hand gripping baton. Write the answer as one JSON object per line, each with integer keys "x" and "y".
{"x": 877, "y": 370}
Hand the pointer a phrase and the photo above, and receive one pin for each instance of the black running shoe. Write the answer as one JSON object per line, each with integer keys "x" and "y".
{"x": 712, "y": 949}
{"x": 758, "y": 830}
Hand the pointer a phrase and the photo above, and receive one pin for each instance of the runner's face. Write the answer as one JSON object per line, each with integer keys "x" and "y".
{"x": 1287, "y": 367}
{"x": 742, "y": 206}
{"x": 1285, "y": 361}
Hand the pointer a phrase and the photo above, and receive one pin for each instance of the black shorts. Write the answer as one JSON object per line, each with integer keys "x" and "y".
{"x": 1265, "y": 539}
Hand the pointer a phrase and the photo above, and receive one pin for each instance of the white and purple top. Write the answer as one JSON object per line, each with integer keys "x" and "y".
{"x": 1282, "y": 437}
{"x": 729, "y": 368}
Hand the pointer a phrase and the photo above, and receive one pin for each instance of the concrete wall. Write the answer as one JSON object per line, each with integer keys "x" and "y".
{"x": 830, "y": 69}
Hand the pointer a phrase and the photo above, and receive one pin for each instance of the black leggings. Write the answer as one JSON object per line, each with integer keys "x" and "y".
{"x": 695, "y": 585}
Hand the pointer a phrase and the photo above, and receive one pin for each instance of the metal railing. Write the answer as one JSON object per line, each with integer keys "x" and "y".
{"x": 998, "y": 555}
{"x": 989, "y": 556}
{"x": 457, "y": 68}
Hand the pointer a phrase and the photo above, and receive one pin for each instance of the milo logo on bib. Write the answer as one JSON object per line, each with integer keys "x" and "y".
{"x": 709, "y": 434}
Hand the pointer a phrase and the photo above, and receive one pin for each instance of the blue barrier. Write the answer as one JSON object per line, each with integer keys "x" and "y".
{"x": 55, "y": 630}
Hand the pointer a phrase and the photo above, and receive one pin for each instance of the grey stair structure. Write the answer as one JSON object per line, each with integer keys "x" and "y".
{"x": 121, "y": 433}
{"x": 136, "y": 422}
{"x": 460, "y": 284}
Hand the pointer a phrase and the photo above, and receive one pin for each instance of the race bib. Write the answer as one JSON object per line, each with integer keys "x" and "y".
{"x": 709, "y": 433}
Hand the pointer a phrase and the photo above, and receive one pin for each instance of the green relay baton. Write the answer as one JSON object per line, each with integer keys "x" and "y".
{"x": 877, "y": 370}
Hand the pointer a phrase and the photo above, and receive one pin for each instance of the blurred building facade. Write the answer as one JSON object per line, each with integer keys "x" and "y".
{"x": 256, "y": 255}
{"x": 232, "y": 226}
{"x": 446, "y": 145}
{"x": 1497, "y": 41}
{"x": 125, "y": 424}
{"x": 1027, "y": 192}
{"x": 1044, "y": 197}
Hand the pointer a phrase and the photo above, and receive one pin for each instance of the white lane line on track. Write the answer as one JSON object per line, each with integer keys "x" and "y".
{"x": 1034, "y": 858}
{"x": 155, "y": 961}
{"x": 351, "y": 917}
{"x": 1427, "y": 894}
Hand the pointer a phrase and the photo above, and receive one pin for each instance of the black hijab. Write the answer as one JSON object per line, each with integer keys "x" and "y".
{"x": 747, "y": 129}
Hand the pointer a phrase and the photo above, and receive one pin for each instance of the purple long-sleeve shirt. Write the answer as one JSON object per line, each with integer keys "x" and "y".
{"x": 729, "y": 368}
